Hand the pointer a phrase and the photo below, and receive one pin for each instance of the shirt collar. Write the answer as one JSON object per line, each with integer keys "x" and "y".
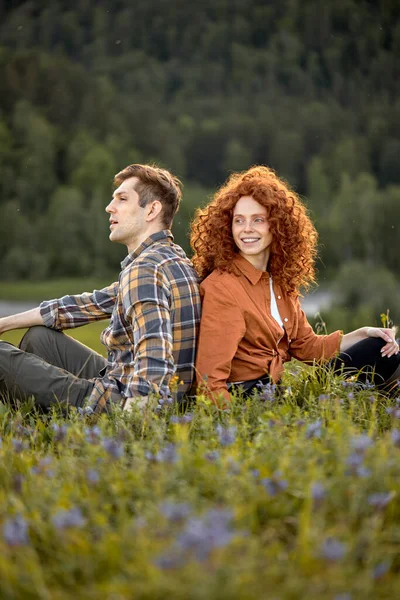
{"x": 248, "y": 270}
{"x": 160, "y": 236}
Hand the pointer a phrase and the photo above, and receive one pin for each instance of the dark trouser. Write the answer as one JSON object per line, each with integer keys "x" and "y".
{"x": 363, "y": 359}
{"x": 51, "y": 366}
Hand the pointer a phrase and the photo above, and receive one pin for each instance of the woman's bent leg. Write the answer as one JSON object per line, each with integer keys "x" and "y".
{"x": 365, "y": 360}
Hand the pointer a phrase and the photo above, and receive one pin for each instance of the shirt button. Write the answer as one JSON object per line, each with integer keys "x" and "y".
{"x": 286, "y": 319}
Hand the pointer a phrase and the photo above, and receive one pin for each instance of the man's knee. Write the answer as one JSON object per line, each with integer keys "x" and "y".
{"x": 34, "y": 338}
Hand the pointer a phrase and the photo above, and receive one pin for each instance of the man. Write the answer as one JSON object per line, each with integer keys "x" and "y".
{"x": 154, "y": 309}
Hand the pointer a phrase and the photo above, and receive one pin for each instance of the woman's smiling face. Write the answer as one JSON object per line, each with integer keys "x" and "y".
{"x": 250, "y": 230}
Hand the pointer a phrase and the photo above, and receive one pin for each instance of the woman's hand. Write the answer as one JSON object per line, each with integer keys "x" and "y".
{"x": 391, "y": 347}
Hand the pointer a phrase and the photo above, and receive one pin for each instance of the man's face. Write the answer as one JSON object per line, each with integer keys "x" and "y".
{"x": 128, "y": 222}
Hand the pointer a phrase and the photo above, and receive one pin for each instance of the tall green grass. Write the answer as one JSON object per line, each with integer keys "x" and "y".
{"x": 291, "y": 494}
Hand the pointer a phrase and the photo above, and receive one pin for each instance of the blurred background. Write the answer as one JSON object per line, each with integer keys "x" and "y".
{"x": 307, "y": 87}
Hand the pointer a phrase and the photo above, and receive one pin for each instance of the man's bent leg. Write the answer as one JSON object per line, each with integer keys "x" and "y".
{"x": 63, "y": 351}
{"x": 23, "y": 375}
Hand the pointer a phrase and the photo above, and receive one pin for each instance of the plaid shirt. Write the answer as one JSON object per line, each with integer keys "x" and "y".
{"x": 155, "y": 312}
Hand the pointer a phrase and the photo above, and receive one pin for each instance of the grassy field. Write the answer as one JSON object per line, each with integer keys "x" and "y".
{"x": 45, "y": 290}
{"x": 293, "y": 494}
{"x": 88, "y": 335}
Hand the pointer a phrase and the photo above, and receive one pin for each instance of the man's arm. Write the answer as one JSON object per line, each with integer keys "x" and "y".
{"x": 23, "y": 320}
{"x": 77, "y": 310}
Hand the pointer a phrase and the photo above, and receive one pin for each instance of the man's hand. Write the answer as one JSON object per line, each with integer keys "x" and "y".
{"x": 132, "y": 403}
{"x": 23, "y": 320}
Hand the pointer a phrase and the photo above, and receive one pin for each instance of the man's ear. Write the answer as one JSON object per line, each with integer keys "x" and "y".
{"x": 154, "y": 210}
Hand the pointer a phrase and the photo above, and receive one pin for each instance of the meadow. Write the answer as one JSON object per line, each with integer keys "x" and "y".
{"x": 291, "y": 494}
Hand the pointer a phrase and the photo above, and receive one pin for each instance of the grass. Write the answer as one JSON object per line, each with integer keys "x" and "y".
{"x": 45, "y": 290}
{"x": 290, "y": 494}
{"x": 88, "y": 335}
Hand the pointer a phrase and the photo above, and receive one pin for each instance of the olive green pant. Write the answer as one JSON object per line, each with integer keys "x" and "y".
{"x": 50, "y": 366}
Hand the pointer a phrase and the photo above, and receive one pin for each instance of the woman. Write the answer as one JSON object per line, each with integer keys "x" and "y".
{"x": 254, "y": 248}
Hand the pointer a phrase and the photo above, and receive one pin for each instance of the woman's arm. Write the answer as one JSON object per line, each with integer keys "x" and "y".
{"x": 388, "y": 335}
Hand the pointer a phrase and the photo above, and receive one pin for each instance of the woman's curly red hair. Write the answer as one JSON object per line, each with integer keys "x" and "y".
{"x": 293, "y": 249}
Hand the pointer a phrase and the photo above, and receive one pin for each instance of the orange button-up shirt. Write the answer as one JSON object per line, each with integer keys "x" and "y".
{"x": 240, "y": 340}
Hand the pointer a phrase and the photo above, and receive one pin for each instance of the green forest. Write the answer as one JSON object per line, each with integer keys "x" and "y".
{"x": 309, "y": 88}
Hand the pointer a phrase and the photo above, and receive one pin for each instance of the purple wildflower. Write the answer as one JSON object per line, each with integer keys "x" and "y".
{"x": 15, "y": 531}
{"x": 173, "y": 560}
{"x": 380, "y": 500}
{"x": 114, "y": 448}
{"x": 212, "y": 456}
{"x": 361, "y": 443}
{"x": 267, "y": 391}
{"x": 167, "y": 454}
{"x": 92, "y": 476}
{"x": 226, "y": 435}
{"x": 175, "y": 512}
{"x": 333, "y": 550}
{"x": 59, "y": 432}
{"x": 202, "y": 534}
{"x": 349, "y": 384}
{"x": 65, "y": 519}
{"x": 345, "y": 596}
{"x": 23, "y": 431}
{"x": 381, "y": 569}
{"x": 92, "y": 434}
{"x": 318, "y": 494}
{"x": 18, "y": 445}
{"x": 42, "y": 467}
{"x": 393, "y": 411}
{"x": 274, "y": 485}
{"x": 323, "y": 397}
{"x": 176, "y": 420}
{"x": 395, "y": 435}
{"x": 86, "y": 411}
{"x": 355, "y": 463}
{"x": 17, "y": 482}
{"x": 314, "y": 430}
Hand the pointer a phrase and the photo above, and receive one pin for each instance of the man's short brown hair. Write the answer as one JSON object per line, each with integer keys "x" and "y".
{"x": 154, "y": 184}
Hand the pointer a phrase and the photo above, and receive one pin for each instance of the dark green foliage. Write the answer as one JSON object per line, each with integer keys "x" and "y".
{"x": 309, "y": 88}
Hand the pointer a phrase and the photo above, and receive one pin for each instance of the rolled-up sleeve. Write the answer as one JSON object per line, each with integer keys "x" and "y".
{"x": 74, "y": 311}
{"x": 308, "y": 346}
{"x": 222, "y": 326}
